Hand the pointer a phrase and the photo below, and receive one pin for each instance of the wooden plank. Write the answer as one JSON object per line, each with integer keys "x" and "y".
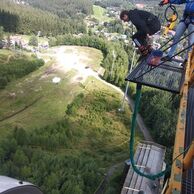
{"x": 139, "y": 162}
{"x": 154, "y": 166}
{"x": 147, "y": 156}
{"x": 131, "y": 172}
{"x": 144, "y": 163}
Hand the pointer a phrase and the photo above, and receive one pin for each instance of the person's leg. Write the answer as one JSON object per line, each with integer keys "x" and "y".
{"x": 139, "y": 38}
{"x": 180, "y": 29}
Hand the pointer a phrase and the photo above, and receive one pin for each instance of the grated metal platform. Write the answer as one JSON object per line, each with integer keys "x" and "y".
{"x": 166, "y": 76}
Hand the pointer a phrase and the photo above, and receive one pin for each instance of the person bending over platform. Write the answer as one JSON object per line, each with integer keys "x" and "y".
{"x": 146, "y": 24}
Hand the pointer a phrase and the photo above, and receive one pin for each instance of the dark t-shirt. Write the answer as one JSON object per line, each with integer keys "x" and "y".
{"x": 145, "y": 22}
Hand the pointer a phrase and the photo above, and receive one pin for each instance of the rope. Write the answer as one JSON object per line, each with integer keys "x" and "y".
{"x": 131, "y": 144}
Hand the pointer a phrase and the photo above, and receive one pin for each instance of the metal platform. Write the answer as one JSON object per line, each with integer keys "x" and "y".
{"x": 167, "y": 76}
{"x": 149, "y": 158}
{"x": 188, "y": 179}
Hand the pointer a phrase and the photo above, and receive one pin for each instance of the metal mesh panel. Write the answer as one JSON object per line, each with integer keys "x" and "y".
{"x": 167, "y": 76}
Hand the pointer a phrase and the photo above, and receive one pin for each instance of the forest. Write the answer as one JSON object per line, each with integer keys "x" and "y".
{"x": 64, "y": 8}
{"x": 24, "y": 19}
{"x": 66, "y": 157}
{"x": 57, "y": 144}
{"x": 160, "y": 112}
{"x": 17, "y": 66}
{"x": 114, "y": 3}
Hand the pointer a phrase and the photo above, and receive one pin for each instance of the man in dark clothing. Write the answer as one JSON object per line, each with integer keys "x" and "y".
{"x": 146, "y": 24}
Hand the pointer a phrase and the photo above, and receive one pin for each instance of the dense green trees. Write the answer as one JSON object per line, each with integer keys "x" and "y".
{"x": 33, "y": 41}
{"x": 17, "y": 67}
{"x": 70, "y": 156}
{"x": 164, "y": 114}
{"x": 1, "y": 37}
{"x": 64, "y": 8}
{"x": 115, "y": 26}
{"x": 160, "y": 112}
{"x": 26, "y": 20}
{"x": 113, "y": 3}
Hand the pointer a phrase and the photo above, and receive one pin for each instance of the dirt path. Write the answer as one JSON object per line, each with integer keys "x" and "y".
{"x": 21, "y": 110}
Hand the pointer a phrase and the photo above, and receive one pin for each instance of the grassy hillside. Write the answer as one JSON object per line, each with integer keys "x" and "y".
{"x": 49, "y": 100}
{"x": 16, "y": 65}
{"x": 65, "y": 134}
{"x": 100, "y": 14}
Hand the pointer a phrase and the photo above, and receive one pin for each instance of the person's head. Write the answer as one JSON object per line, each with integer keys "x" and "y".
{"x": 124, "y": 15}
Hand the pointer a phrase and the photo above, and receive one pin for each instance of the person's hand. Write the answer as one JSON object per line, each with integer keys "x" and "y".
{"x": 143, "y": 50}
{"x": 163, "y": 2}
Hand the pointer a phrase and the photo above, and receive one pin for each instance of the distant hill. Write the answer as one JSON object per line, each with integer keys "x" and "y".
{"x": 124, "y": 4}
{"x": 19, "y": 17}
{"x": 113, "y": 3}
{"x": 63, "y": 8}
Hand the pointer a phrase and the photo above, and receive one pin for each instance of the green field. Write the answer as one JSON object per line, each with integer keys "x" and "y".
{"x": 100, "y": 14}
{"x": 72, "y": 123}
{"x": 50, "y": 100}
{"x": 4, "y": 55}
